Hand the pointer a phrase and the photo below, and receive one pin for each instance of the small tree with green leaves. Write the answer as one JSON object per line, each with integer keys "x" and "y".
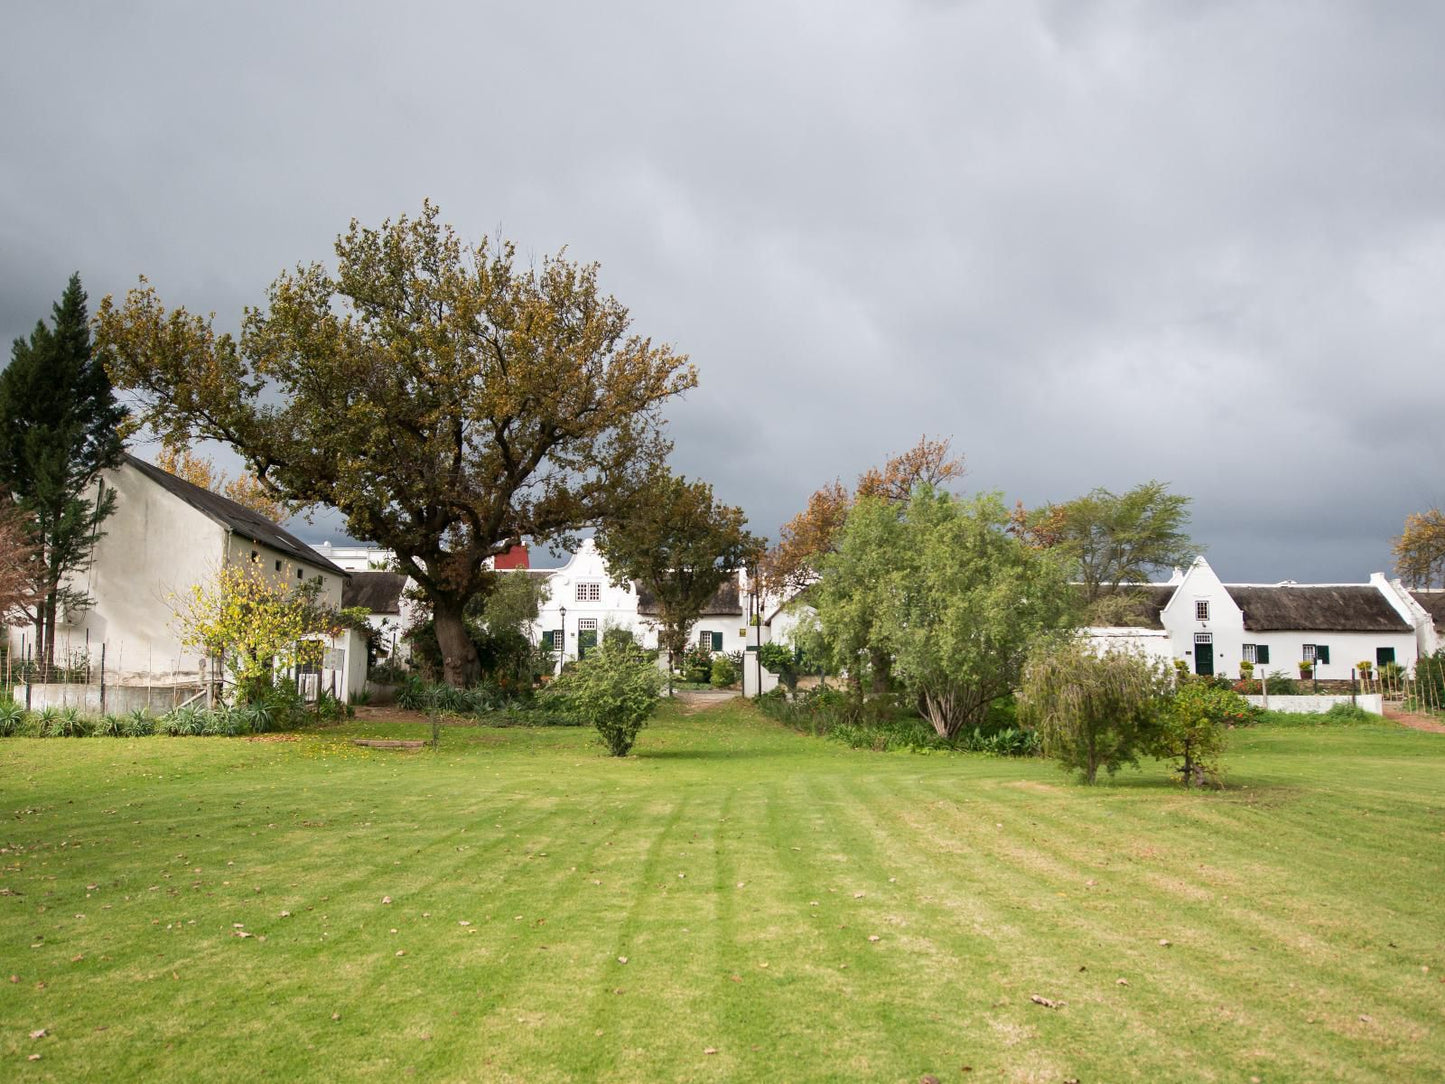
{"x": 615, "y": 688}
{"x": 256, "y": 624}
{"x": 783, "y": 661}
{"x": 1091, "y": 710}
{"x": 1194, "y": 729}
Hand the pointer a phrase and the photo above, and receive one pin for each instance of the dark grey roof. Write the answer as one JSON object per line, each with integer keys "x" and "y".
{"x": 1348, "y": 608}
{"x": 378, "y": 592}
{"x": 1434, "y": 603}
{"x": 725, "y": 603}
{"x": 238, "y": 518}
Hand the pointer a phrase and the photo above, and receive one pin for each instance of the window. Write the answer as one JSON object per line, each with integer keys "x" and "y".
{"x": 1384, "y": 656}
{"x": 300, "y": 573}
{"x": 587, "y": 624}
{"x": 278, "y": 566}
{"x": 1309, "y": 653}
{"x": 1261, "y": 654}
{"x": 1204, "y": 637}
{"x": 1248, "y": 654}
{"x": 1319, "y": 653}
{"x": 1201, "y": 611}
{"x": 704, "y": 640}
{"x": 255, "y": 557}
{"x": 589, "y": 592}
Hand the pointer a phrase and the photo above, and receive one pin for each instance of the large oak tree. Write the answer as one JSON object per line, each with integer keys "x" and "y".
{"x": 446, "y": 401}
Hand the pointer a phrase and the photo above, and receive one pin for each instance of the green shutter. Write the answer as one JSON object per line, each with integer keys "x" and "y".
{"x": 1261, "y": 654}
{"x": 717, "y": 641}
{"x": 547, "y": 640}
{"x": 1322, "y": 654}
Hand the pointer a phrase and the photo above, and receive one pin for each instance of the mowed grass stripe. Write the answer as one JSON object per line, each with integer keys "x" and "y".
{"x": 1328, "y": 846}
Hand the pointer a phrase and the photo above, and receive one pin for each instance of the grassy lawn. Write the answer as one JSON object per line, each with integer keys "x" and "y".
{"x": 786, "y": 909}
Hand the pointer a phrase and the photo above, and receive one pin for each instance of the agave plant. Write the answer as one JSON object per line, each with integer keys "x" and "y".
{"x": 140, "y": 724}
{"x": 108, "y": 725}
{"x": 12, "y": 718}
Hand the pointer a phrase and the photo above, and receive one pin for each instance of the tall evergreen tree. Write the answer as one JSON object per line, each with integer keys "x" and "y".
{"x": 58, "y": 430}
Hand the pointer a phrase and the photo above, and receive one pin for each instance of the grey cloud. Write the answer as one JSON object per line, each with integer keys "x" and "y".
{"x": 1095, "y": 242}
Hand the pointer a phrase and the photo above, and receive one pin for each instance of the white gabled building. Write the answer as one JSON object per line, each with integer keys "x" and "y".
{"x": 584, "y": 601}
{"x": 166, "y": 536}
{"x": 1215, "y": 626}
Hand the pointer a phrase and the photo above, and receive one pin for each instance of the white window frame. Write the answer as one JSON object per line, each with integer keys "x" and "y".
{"x": 587, "y": 624}
{"x": 589, "y": 591}
{"x": 1249, "y": 653}
{"x": 1204, "y": 637}
{"x": 1308, "y": 653}
{"x": 1201, "y": 609}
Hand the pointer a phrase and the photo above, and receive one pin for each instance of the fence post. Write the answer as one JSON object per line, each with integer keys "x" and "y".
{"x": 102, "y": 677}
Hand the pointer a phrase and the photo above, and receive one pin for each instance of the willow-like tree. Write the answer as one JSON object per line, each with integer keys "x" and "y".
{"x": 682, "y": 545}
{"x": 447, "y": 402}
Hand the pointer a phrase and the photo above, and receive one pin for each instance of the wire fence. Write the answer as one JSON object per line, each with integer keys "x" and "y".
{"x": 95, "y": 679}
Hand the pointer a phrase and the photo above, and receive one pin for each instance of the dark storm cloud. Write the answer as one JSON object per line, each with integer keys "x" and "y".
{"x": 1094, "y": 242}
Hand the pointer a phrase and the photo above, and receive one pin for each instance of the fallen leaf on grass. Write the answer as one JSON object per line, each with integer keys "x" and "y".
{"x": 873, "y": 937}
{"x": 1047, "y": 1003}
{"x": 622, "y": 959}
{"x": 336, "y": 1016}
{"x": 1121, "y": 982}
{"x": 401, "y": 952}
{"x": 463, "y": 922}
{"x": 1163, "y": 943}
{"x": 710, "y": 1050}
{"x": 736, "y": 978}
{"x": 38, "y": 1033}
{"x": 33, "y": 1057}
{"x": 385, "y": 899}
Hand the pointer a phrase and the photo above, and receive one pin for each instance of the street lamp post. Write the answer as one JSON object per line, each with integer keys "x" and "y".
{"x": 562, "y": 647}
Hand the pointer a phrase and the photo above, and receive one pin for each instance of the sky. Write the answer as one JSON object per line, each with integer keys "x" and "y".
{"x": 1093, "y": 243}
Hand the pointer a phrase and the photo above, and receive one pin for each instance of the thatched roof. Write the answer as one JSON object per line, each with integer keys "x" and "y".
{"x": 725, "y": 603}
{"x": 1434, "y": 602}
{"x": 1352, "y": 608}
{"x": 378, "y": 592}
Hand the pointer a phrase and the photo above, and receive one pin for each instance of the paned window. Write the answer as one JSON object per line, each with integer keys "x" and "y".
{"x": 1249, "y": 653}
{"x": 1201, "y": 611}
{"x": 589, "y": 592}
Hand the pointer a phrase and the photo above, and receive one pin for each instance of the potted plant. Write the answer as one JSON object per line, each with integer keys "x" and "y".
{"x": 1366, "y": 668}
{"x": 1306, "y": 668}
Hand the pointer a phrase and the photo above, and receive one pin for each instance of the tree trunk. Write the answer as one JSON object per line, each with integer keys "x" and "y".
{"x": 880, "y": 667}
{"x": 460, "y": 665}
{"x": 46, "y": 654}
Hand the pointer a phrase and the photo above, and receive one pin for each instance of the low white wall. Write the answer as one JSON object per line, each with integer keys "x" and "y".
{"x": 119, "y": 699}
{"x": 1374, "y": 703}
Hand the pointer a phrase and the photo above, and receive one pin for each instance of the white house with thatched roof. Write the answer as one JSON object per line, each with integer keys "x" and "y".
{"x": 584, "y": 601}
{"x": 1215, "y": 626}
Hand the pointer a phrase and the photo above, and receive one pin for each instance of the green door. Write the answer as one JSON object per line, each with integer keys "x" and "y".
{"x": 586, "y": 640}
{"x": 1204, "y": 655}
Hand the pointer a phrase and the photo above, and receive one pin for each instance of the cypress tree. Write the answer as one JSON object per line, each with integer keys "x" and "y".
{"x": 58, "y": 429}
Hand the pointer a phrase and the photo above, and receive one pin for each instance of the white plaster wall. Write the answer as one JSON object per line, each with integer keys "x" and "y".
{"x": 154, "y": 548}
{"x": 1152, "y": 643}
{"x": 1225, "y": 622}
{"x": 1286, "y": 649}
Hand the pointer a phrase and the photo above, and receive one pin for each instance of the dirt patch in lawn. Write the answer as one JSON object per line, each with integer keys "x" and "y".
{"x": 1413, "y": 721}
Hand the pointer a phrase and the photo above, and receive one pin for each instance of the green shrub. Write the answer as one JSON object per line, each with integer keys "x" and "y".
{"x": 1277, "y": 684}
{"x": 723, "y": 674}
{"x": 783, "y": 661}
{"x": 1349, "y": 713}
{"x": 616, "y": 689}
